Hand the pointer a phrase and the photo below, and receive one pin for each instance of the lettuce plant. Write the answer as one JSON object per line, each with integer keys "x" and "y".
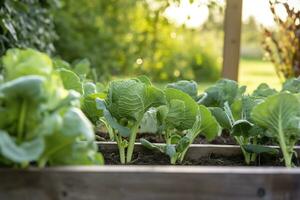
{"x": 40, "y": 121}
{"x": 181, "y": 121}
{"x": 124, "y": 108}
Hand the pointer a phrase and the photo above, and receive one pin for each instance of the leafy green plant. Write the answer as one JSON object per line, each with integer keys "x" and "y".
{"x": 181, "y": 121}
{"x": 279, "y": 114}
{"x": 27, "y": 24}
{"x": 40, "y": 121}
{"x": 124, "y": 108}
{"x": 232, "y": 109}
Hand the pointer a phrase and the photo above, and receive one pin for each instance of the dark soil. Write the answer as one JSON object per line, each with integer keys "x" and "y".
{"x": 147, "y": 157}
{"x": 225, "y": 138}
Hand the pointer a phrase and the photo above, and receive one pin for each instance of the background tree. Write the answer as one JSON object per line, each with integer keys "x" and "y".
{"x": 282, "y": 44}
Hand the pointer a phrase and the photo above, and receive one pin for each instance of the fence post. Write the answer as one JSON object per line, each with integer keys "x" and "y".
{"x": 232, "y": 37}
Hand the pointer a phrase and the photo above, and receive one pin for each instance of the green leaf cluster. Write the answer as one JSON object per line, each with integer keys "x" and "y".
{"x": 40, "y": 121}
{"x": 266, "y": 113}
{"x": 181, "y": 120}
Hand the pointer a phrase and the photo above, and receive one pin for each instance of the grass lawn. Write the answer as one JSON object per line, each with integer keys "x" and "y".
{"x": 252, "y": 73}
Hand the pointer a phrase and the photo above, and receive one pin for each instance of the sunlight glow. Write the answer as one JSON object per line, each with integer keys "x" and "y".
{"x": 193, "y": 15}
{"x": 190, "y": 14}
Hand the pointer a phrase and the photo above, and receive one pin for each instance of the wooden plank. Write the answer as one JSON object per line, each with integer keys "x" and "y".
{"x": 195, "y": 151}
{"x": 148, "y": 183}
{"x": 232, "y": 37}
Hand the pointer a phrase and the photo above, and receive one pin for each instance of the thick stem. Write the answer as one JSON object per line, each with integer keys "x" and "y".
{"x": 286, "y": 155}
{"x": 109, "y": 129}
{"x": 182, "y": 155}
{"x": 121, "y": 148}
{"x": 110, "y": 133}
{"x": 173, "y": 160}
{"x": 253, "y": 155}
{"x": 21, "y": 122}
{"x": 245, "y": 153}
{"x": 131, "y": 142}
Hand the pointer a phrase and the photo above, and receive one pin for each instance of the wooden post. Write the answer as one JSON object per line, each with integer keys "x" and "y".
{"x": 232, "y": 36}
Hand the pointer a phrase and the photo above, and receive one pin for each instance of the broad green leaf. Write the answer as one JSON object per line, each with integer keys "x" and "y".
{"x": 130, "y": 99}
{"x": 210, "y": 127}
{"x": 277, "y": 114}
{"x": 83, "y": 67}
{"x": 242, "y": 128}
{"x": 124, "y": 131}
{"x": 189, "y": 87}
{"x": 89, "y": 88}
{"x": 223, "y": 91}
{"x": 76, "y": 124}
{"x": 258, "y": 149}
{"x": 126, "y": 99}
{"x": 17, "y": 63}
{"x": 183, "y": 144}
{"x": 51, "y": 124}
{"x": 77, "y": 153}
{"x": 59, "y": 63}
{"x": 175, "y": 117}
{"x": 26, "y": 87}
{"x": 89, "y": 107}
{"x": 70, "y": 80}
{"x": 162, "y": 113}
{"x": 263, "y": 91}
{"x": 221, "y": 117}
{"x": 292, "y": 85}
{"x": 149, "y": 123}
{"x": 151, "y": 146}
{"x": 182, "y": 109}
{"x": 144, "y": 79}
{"x": 27, "y": 151}
{"x": 154, "y": 97}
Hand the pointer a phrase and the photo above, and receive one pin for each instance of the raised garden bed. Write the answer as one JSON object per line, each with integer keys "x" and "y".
{"x": 42, "y": 127}
{"x": 156, "y": 182}
{"x": 198, "y": 154}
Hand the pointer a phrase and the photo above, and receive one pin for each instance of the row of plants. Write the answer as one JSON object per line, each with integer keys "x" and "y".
{"x": 49, "y": 111}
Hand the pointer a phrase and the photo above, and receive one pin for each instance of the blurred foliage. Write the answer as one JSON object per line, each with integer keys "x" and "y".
{"x": 251, "y": 38}
{"x": 134, "y": 37}
{"x": 282, "y": 45}
{"x": 27, "y": 23}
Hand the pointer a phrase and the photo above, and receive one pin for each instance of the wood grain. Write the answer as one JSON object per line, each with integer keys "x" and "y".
{"x": 232, "y": 37}
{"x": 149, "y": 183}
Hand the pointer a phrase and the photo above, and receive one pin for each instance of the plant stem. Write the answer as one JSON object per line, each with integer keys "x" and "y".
{"x": 110, "y": 133}
{"x": 253, "y": 155}
{"x": 121, "y": 148}
{"x": 247, "y": 156}
{"x": 131, "y": 142}
{"x": 21, "y": 121}
{"x": 182, "y": 155}
{"x": 286, "y": 155}
{"x": 173, "y": 160}
{"x": 109, "y": 129}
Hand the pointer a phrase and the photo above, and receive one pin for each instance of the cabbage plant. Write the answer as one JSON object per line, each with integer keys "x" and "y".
{"x": 40, "y": 121}
{"x": 232, "y": 109}
{"x": 124, "y": 108}
{"x": 279, "y": 114}
{"x": 181, "y": 121}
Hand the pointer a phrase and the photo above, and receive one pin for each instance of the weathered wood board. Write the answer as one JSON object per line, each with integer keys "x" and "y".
{"x": 232, "y": 39}
{"x": 150, "y": 183}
